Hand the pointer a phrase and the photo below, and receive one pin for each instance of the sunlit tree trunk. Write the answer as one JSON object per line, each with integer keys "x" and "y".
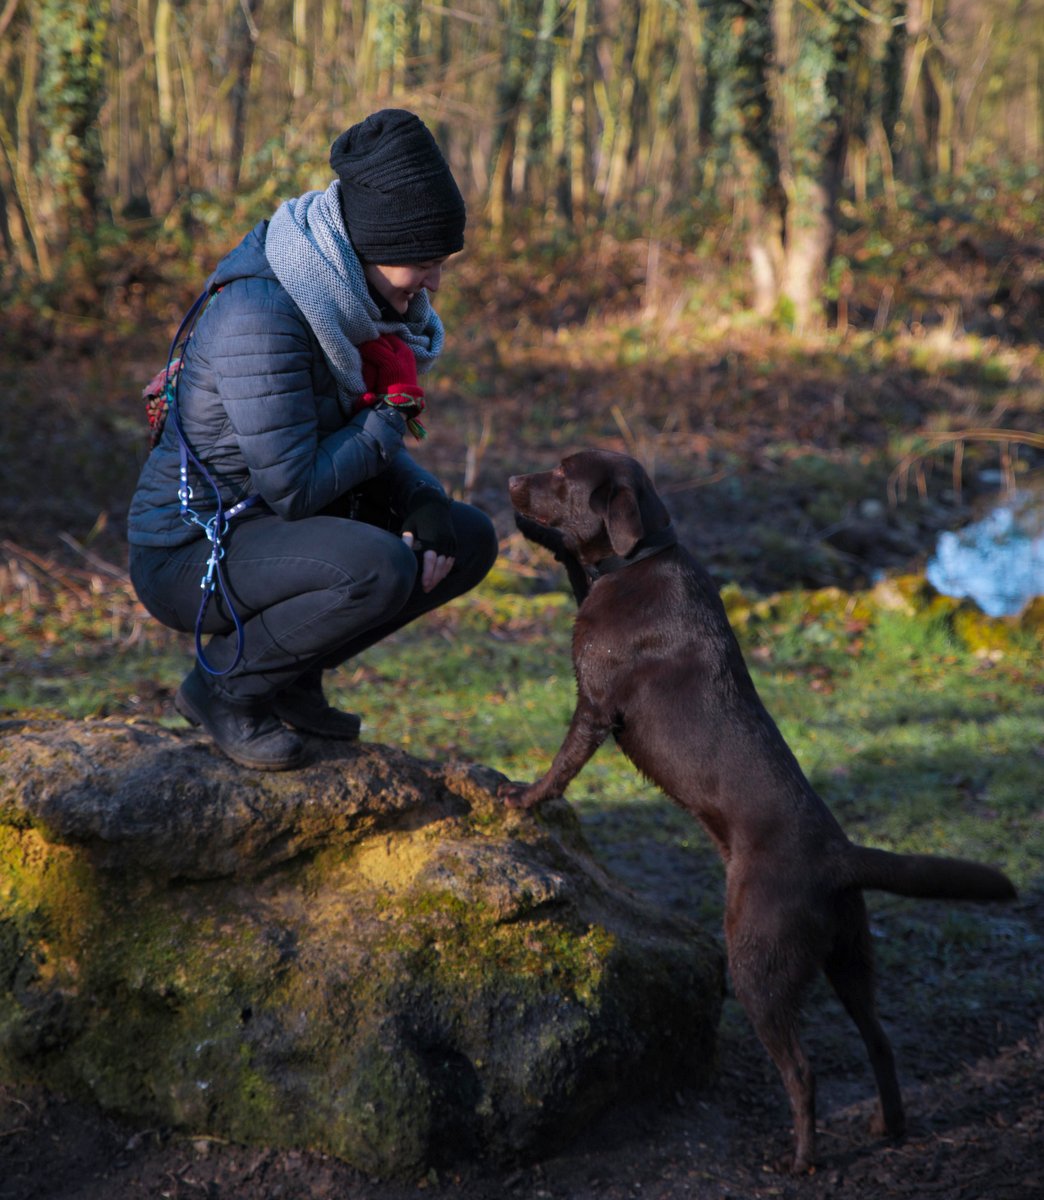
{"x": 243, "y": 35}
{"x": 913, "y": 121}
{"x": 23, "y": 240}
{"x": 506, "y": 177}
{"x": 615, "y": 55}
{"x": 578, "y": 141}
{"x": 792, "y": 81}
{"x": 71, "y": 89}
{"x": 817, "y": 54}
{"x": 741, "y": 135}
{"x": 165, "y": 187}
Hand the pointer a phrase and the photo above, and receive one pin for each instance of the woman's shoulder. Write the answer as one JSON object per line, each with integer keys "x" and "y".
{"x": 252, "y": 305}
{"x": 247, "y": 260}
{"x": 246, "y": 274}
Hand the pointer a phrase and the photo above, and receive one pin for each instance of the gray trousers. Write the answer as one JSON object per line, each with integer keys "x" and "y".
{"x": 309, "y": 594}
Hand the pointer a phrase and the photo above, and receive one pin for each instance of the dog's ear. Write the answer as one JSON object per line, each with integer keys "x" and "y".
{"x": 655, "y": 516}
{"x": 617, "y": 505}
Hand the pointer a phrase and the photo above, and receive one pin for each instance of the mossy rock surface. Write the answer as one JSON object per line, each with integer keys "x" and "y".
{"x": 368, "y": 956}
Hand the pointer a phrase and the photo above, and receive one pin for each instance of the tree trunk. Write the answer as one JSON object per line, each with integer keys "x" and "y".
{"x": 795, "y": 82}
{"x": 243, "y": 36}
{"x": 71, "y": 89}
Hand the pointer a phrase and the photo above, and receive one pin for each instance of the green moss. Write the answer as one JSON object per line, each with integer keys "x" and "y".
{"x": 170, "y": 977}
{"x": 535, "y": 955}
{"x": 982, "y": 634}
{"x": 256, "y": 1101}
{"x": 1032, "y": 619}
{"x": 42, "y": 882}
{"x": 461, "y": 945}
{"x": 737, "y": 604}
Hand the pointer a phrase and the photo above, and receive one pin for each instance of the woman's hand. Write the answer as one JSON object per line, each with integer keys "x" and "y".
{"x": 387, "y": 362}
{"x": 434, "y": 567}
{"x": 428, "y": 529}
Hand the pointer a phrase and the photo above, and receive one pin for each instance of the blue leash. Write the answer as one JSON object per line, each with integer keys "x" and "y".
{"x": 216, "y": 527}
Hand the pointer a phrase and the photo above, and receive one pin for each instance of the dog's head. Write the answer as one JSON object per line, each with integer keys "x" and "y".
{"x": 594, "y": 504}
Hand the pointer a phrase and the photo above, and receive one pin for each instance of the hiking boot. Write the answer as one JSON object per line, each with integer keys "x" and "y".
{"x": 304, "y": 706}
{"x": 248, "y": 735}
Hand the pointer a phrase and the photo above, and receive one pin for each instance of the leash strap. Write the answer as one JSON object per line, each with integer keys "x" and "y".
{"x": 216, "y": 527}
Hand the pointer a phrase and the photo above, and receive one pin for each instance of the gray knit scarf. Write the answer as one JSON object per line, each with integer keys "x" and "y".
{"x": 315, "y": 261}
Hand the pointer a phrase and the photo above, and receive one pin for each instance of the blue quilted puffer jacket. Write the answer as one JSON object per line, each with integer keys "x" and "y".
{"x": 259, "y": 407}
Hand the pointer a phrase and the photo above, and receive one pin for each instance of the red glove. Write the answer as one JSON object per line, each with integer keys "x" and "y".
{"x": 387, "y": 362}
{"x": 390, "y": 373}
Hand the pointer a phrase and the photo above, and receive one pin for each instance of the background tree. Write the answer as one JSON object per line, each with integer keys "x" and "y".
{"x": 793, "y": 87}
{"x": 54, "y": 167}
{"x": 654, "y": 116}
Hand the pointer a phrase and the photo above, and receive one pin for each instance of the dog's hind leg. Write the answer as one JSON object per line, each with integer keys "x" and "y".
{"x": 770, "y": 987}
{"x": 850, "y": 968}
{"x": 778, "y": 1031}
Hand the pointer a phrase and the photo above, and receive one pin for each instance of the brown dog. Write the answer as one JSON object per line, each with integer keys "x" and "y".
{"x": 658, "y": 666}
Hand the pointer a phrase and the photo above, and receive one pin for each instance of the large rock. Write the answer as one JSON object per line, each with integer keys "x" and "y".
{"x": 368, "y": 956}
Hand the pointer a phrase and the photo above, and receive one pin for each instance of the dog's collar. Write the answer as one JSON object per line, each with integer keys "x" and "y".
{"x": 653, "y": 544}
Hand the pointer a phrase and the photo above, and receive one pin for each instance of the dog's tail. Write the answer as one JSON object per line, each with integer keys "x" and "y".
{"x": 929, "y": 877}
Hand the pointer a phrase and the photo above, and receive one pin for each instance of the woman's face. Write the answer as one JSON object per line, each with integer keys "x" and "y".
{"x": 399, "y": 284}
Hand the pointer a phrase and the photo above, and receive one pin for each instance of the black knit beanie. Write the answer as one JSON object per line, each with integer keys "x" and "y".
{"x": 400, "y": 202}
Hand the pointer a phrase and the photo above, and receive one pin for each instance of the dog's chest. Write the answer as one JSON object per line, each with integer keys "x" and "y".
{"x": 595, "y": 656}
{"x": 604, "y": 636}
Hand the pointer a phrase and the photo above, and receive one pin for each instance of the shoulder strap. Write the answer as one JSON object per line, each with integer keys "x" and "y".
{"x": 216, "y": 527}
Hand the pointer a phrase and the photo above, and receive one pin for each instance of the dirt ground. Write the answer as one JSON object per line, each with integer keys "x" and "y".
{"x": 973, "y": 1083}
{"x": 976, "y": 1136}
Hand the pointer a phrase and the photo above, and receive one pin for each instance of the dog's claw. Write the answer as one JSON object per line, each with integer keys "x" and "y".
{"x": 515, "y": 795}
{"x": 790, "y": 1164}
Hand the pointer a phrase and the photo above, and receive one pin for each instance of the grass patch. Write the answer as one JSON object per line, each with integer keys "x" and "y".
{"x": 918, "y": 741}
{"x": 917, "y": 737}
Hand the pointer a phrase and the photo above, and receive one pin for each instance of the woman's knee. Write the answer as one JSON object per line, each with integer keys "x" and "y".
{"x": 477, "y": 544}
{"x": 373, "y": 567}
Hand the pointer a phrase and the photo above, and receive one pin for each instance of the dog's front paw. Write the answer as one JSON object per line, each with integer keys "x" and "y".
{"x": 518, "y": 795}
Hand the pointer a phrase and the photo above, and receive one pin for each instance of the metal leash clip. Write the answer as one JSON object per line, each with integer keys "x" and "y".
{"x": 217, "y": 551}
